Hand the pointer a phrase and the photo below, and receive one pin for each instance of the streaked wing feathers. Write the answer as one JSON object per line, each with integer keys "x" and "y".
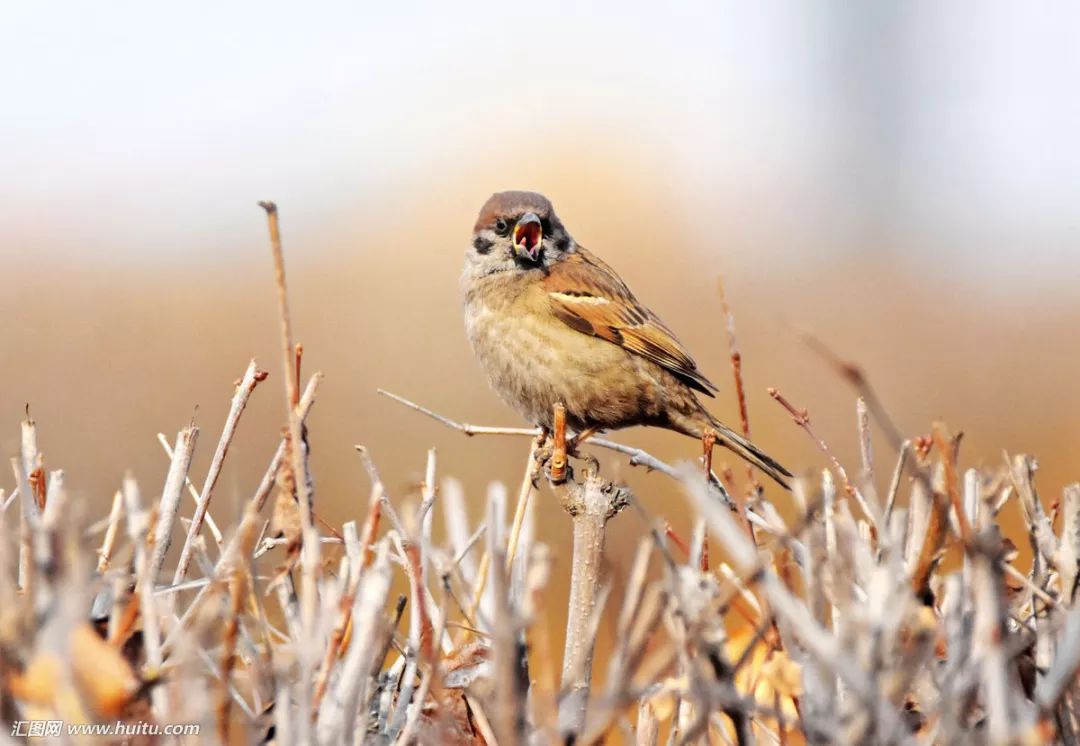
{"x": 588, "y": 296}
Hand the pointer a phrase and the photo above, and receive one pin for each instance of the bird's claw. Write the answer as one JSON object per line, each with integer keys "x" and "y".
{"x": 566, "y": 474}
{"x": 545, "y": 452}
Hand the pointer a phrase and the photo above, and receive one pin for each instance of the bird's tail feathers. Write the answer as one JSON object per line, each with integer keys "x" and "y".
{"x": 747, "y": 450}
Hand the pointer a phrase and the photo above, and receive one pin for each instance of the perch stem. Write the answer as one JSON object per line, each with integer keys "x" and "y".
{"x": 590, "y": 505}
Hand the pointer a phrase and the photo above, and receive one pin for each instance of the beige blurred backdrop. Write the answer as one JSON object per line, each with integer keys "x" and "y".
{"x": 901, "y": 182}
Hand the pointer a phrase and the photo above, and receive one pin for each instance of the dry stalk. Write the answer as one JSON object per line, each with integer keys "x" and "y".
{"x": 349, "y": 696}
{"x": 854, "y": 375}
{"x": 637, "y": 456}
{"x": 816, "y": 629}
{"x": 234, "y": 548}
{"x": 866, "y": 447}
{"x": 169, "y": 505}
{"x": 251, "y": 378}
{"x": 297, "y": 451}
{"x": 289, "y": 372}
{"x": 873, "y": 662}
{"x": 228, "y": 654}
{"x": 138, "y": 521}
{"x": 107, "y": 542}
{"x": 193, "y": 492}
{"x": 736, "y": 372}
{"x": 532, "y": 471}
{"x": 507, "y": 709}
{"x": 591, "y": 504}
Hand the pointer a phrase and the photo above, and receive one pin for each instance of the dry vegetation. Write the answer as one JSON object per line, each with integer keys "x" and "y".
{"x": 887, "y": 608}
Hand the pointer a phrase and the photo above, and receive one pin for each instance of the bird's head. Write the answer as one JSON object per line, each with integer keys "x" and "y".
{"x": 517, "y": 231}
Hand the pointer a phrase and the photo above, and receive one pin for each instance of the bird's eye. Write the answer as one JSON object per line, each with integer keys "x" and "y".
{"x": 502, "y": 228}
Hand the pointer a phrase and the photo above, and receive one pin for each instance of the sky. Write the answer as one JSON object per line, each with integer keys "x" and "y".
{"x": 141, "y": 132}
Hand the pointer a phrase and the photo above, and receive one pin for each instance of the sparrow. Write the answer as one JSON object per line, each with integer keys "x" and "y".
{"x": 550, "y": 322}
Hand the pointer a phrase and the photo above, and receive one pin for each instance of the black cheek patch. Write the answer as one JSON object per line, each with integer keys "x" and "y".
{"x": 482, "y": 245}
{"x": 562, "y": 243}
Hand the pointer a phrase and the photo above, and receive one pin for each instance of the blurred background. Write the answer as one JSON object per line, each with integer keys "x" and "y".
{"x": 901, "y": 181}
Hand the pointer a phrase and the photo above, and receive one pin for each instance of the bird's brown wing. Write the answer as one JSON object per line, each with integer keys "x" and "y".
{"x": 588, "y": 296}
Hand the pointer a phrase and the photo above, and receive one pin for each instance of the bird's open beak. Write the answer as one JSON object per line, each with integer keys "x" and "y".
{"x": 528, "y": 236}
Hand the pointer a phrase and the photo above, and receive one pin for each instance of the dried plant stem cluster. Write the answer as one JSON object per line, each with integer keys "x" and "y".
{"x": 887, "y": 611}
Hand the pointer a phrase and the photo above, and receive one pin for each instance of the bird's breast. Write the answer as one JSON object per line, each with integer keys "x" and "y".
{"x": 534, "y": 360}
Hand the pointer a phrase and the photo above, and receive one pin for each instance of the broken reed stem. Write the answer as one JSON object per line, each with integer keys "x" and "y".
{"x": 266, "y": 485}
{"x": 866, "y": 448}
{"x": 111, "y": 530}
{"x": 251, "y": 378}
{"x": 338, "y": 714}
{"x": 24, "y": 467}
{"x": 169, "y": 505}
{"x": 234, "y": 548}
{"x": 228, "y": 653}
{"x": 507, "y": 711}
{"x": 357, "y": 560}
{"x": 292, "y": 396}
{"x": 988, "y": 632}
{"x": 894, "y": 483}
{"x": 27, "y": 518}
{"x": 948, "y": 460}
{"x": 937, "y": 527}
{"x": 194, "y": 493}
{"x": 532, "y": 470}
{"x": 309, "y": 541}
{"x": 934, "y": 539}
{"x": 138, "y": 521}
{"x": 648, "y": 727}
{"x": 480, "y": 584}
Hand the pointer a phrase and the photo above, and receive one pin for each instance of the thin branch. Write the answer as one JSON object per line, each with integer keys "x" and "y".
{"x": 854, "y": 375}
{"x": 309, "y": 547}
{"x": 193, "y": 492}
{"x": 736, "y": 371}
{"x": 463, "y": 427}
{"x": 169, "y": 505}
{"x": 532, "y": 470}
{"x": 251, "y": 378}
{"x": 106, "y": 550}
{"x": 638, "y": 457}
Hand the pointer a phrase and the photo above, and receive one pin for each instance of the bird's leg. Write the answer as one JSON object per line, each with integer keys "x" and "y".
{"x": 579, "y": 438}
{"x": 593, "y": 463}
{"x": 543, "y": 450}
{"x": 542, "y": 437}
